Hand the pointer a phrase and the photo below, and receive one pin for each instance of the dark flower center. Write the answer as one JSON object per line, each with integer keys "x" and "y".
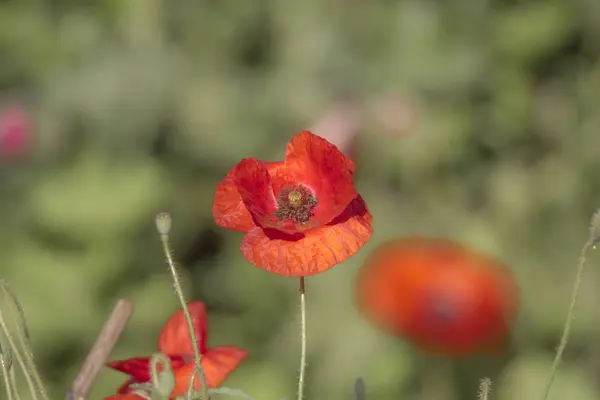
{"x": 445, "y": 309}
{"x": 295, "y": 203}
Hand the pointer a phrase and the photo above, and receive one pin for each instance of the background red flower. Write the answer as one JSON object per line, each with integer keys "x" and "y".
{"x": 174, "y": 341}
{"x": 440, "y": 295}
{"x": 301, "y": 216}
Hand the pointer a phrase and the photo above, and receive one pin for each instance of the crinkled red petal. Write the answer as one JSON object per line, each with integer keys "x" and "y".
{"x": 253, "y": 181}
{"x": 318, "y": 164}
{"x": 229, "y": 211}
{"x": 314, "y": 252}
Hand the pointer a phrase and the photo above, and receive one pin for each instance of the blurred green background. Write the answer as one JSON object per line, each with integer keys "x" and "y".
{"x": 139, "y": 106}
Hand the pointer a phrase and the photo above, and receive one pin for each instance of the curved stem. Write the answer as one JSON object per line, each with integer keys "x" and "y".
{"x": 360, "y": 391}
{"x": 5, "y": 374}
{"x": 567, "y": 329}
{"x": 163, "y": 223}
{"x": 23, "y": 338}
{"x": 17, "y": 356}
{"x": 485, "y": 388}
{"x": 13, "y": 380}
{"x": 302, "y": 339}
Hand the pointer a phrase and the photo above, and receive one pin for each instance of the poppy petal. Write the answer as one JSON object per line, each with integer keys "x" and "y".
{"x": 317, "y": 250}
{"x": 175, "y": 335}
{"x": 125, "y": 388}
{"x": 139, "y": 369}
{"x": 228, "y": 209}
{"x": 320, "y": 165}
{"x": 217, "y": 363}
{"x": 299, "y": 142}
{"x": 253, "y": 182}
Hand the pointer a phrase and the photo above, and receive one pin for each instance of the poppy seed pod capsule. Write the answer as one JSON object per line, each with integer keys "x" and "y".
{"x": 164, "y": 223}
{"x": 595, "y": 226}
{"x": 161, "y": 374}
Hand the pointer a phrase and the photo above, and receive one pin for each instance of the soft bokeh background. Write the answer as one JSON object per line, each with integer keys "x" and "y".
{"x": 476, "y": 120}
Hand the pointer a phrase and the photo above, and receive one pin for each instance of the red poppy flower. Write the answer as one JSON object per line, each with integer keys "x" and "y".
{"x": 440, "y": 295}
{"x": 301, "y": 216}
{"x": 174, "y": 341}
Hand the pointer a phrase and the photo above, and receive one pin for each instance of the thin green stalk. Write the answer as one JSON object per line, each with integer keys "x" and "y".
{"x": 360, "y": 390}
{"x": 5, "y": 373}
{"x": 23, "y": 337}
{"x": 567, "y": 329}
{"x": 13, "y": 380}
{"x": 190, "y": 390}
{"x": 17, "y": 355}
{"x": 485, "y": 388}
{"x": 163, "y": 224}
{"x": 301, "y": 378}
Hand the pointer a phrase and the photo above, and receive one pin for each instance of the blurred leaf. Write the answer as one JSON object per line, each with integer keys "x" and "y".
{"x": 223, "y": 391}
{"x": 103, "y": 199}
{"x": 530, "y": 31}
{"x": 528, "y": 374}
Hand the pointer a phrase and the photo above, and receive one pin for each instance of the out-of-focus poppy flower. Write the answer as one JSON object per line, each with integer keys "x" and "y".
{"x": 174, "y": 341}
{"x": 301, "y": 216}
{"x": 439, "y": 295}
{"x": 15, "y": 133}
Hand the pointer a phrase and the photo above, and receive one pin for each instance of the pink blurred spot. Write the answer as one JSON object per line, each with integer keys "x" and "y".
{"x": 340, "y": 125}
{"x": 15, "y": 133}
{"x": 397, "y": 116}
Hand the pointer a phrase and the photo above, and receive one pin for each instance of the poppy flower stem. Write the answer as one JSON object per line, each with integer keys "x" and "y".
{"x": 163, "y": 225}
{"x": 360, "y": 390}
{"x": 21, "y": 352}
{"x": 567, "y": 329}
{"x": 485, "y": 388}
{"x": 302, "y": 339}
{"x": 5, "y": 374}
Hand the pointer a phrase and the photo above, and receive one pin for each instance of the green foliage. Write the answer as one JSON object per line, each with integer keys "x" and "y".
{"x": 144, "y": 105}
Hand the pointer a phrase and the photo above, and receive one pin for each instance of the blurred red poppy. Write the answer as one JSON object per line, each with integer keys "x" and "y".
{"x": 174, "y": 341}
{"x": 301, "y": 216}
{"x": 441, "y": 296}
